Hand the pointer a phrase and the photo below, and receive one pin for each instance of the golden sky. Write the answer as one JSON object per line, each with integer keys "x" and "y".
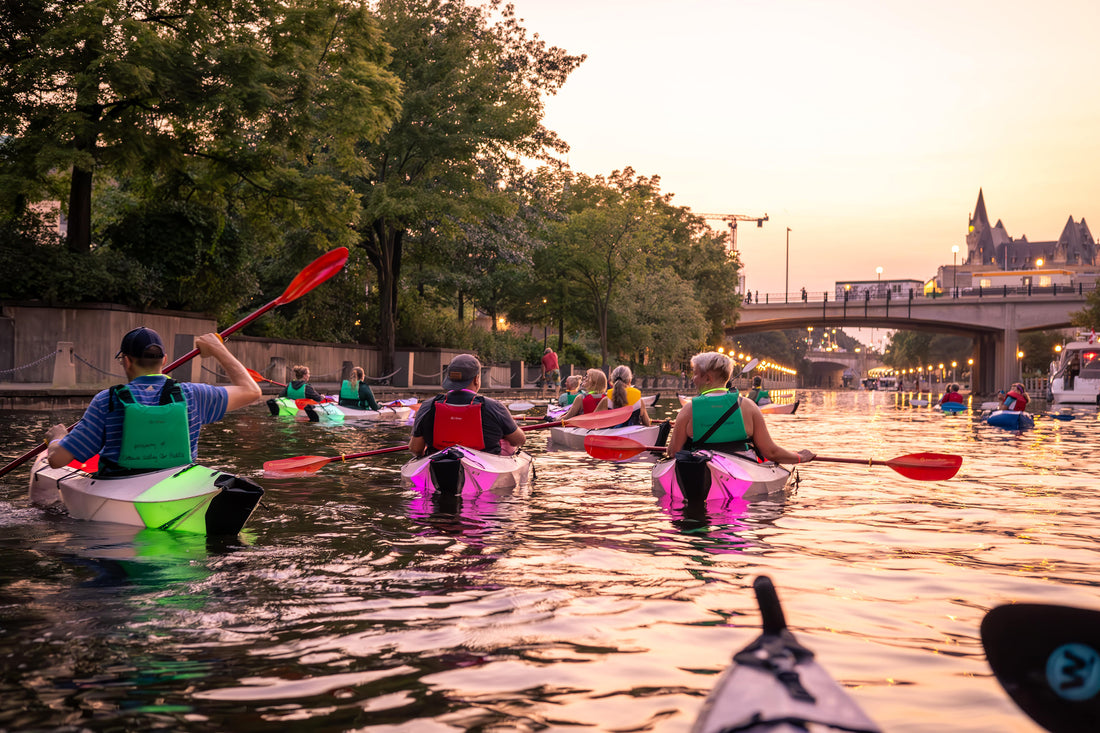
{"x": 866, "y": 126}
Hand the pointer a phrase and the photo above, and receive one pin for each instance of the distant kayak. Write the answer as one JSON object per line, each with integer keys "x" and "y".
{"x": 950, "y": 407}
{"x": 1010, "y": 420}
{"x": 918, "y": 403}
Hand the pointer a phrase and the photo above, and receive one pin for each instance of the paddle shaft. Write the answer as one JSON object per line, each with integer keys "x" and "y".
{"x": 313, "y": 275}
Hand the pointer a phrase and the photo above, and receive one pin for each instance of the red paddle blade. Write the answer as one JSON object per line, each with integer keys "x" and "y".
{"x": 296, "y": 466}
{"x": 314, "y": 274}
{"x": 605, "y": 419}
{"x": 256, "y": 376}
{"x": 91, "y": 465}
{"x": 614, "y": 447}
{"x": 927, "y": 466}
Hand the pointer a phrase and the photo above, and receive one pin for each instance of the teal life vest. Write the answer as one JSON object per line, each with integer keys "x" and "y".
{"x": 347, "y": 391}
{"x": 717, "y": 422}
{"x": 154, "y": 436}
{"x": 761, "y": 396}
{"x": 296, "y": 393}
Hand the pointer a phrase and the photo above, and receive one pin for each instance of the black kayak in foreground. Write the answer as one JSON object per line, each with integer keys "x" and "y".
{"x": 775, "y": 686}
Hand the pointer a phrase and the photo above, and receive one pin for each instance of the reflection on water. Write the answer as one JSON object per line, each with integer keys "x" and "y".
{"x": 351, "y": 602}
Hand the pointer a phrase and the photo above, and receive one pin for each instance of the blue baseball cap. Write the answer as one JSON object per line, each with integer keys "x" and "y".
{"x": 141, "y": 343}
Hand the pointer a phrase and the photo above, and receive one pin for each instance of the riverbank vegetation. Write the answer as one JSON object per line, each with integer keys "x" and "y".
{"x": 201, "y": 155}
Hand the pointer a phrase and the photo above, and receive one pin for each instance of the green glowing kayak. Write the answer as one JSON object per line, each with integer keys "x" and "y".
{"x": 186, "y": 498}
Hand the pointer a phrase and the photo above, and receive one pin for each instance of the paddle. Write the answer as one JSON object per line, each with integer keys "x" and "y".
{"x": 1046, "y": 657}
{"x": 282, "y": 467}
{"x": 314, "y": 274}
{"x": 591, "y": 421}
{"x": 261, "y": 378}
{"x": 520, "y": 406}
{"x": 750, "y": 366}
{"x": 919, "y": 466}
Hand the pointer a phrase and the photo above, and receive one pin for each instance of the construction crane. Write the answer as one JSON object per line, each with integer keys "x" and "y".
{"x": 732, "y": 220}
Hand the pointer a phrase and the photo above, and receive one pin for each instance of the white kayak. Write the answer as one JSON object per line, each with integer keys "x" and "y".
{"x": 557, "y": 412}
{"x": 774, "y": 685}
{"x": 334, "y": 413}
{"x": 566, "y": 438}
{"x": 186, "y": 498}
{"x": 710, "y": 475}
{"x": 466, "y": 471}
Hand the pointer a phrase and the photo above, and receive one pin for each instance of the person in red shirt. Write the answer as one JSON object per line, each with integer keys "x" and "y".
{"x": 551, "y": 376}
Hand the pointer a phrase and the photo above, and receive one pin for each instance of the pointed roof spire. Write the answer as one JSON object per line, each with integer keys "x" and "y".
{"x": 980, "y": 217}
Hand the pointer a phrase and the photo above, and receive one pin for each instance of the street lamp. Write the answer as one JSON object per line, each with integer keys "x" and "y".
{"x": 953, "y": 375}
{"x": 787, "y": 278}
{"x": 955, "y": 270}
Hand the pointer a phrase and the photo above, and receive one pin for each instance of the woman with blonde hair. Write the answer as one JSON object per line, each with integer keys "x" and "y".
{"x": 623, "y": 393}
{"x": 594, "y": 385}
{"x": 721, "y": 420}
{"x": 355, "y": 392}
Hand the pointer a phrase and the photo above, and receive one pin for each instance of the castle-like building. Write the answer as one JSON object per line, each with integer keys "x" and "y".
{"x": 991, "y": 246}
{"x": 994, "y": 259}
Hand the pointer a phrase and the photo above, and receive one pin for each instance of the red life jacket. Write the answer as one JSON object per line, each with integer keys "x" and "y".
{"x": 1021, "y": 401}
{"x": 457, "y": 425}
{"x": 589, "y": 402}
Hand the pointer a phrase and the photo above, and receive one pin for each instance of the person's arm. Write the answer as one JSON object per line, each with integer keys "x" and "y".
{"x": 57, "y": 455}
{"x": 758, "y": 431}
{"x": 644, "y": 414}
{"x": 604, "y": 404}
{"x": 517, "y": 438}
{"x": 313, "y": 394}
{"x": 417, "y": 445}
{"x": 679, "y": 435}
{"x": 242, "y": 390}
{"x": 575, "y": 409}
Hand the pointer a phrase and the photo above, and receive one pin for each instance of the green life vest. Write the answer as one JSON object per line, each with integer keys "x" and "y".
{"x": 761, "y": 395}
{"x": 706, "y": 410}
{"x": 296, "y": 393}
{"x": 154, "y": 436}
{"x": 348, "y": 391}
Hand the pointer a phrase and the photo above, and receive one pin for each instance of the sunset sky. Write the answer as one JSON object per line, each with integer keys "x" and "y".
{"x": 866, "y": 126}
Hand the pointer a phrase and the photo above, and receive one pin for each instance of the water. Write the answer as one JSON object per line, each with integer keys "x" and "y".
{"x": 350, "y": 603}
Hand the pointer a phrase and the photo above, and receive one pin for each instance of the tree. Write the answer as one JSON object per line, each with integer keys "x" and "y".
{"x": 1089, "y": 316}
{"x": 473, "y": 84}
{"x": 222, "y": 96}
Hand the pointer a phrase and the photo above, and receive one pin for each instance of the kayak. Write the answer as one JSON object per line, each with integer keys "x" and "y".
{"x": 333, "y": 412}
{"x": 773, "y": 408}
{"x": 774, "y": 685}
{"x": 950, "y": 407}
{"x": 466, "y": 471}
{"x": 918, "y": 402}
{"x": 565, "y": 438}
{"x": 557, "y": 412}
{"x": 1010, "y": 420}
{"x": 185, "y": 498}
{"x": 708, "y": 475}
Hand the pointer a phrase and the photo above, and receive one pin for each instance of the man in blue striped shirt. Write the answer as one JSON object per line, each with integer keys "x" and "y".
{"x": 142, "y": 356}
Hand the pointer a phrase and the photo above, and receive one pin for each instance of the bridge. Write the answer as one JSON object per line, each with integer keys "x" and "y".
{"x": 827, "y": 368}
{"x": 994, "y": 319}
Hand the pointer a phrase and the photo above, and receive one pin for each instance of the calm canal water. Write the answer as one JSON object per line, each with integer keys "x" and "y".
{"x": 350, "y": 603}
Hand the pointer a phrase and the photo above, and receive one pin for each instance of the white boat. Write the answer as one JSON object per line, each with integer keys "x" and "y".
{"x": 566, "y": 438}
{"x": 1075, "y": 374}
{"x": 466, "y": 471}
{"x": 190, "y": 498}
{"x": 334, "y": 413}
{"x": 711, "y": 475}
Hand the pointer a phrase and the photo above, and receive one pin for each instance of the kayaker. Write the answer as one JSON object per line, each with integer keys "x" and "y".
{"x": 952, "y": 395}
{"x": 551, "y": 375}
{"x": 461, "y": 416}
{"x": 720, "y": 419}
{"x": 623, "y": 393}
{"x": 1016, "y": 400}
{"x": 572, "y": 387}
{"x": 758, "y": 394}
{"x": 152, "y": 422}
{"x": 594, "y": 387}
{"x": 355, "y": 392}
{"x": 299, "y": 387}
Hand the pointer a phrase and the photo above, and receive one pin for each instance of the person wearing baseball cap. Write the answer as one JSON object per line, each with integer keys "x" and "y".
{"x": 463, "y": 417}
{"x": 152, "y": 422}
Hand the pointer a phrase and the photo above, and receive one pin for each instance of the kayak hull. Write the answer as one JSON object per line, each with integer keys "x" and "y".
{"x": 711, "y": 475}
{"x": 775, "y": 685}
{"x": 566, "y": 438}
{"x": 465, "y": 471}
{"x": 186, "y": 498}
{"x": 951, "y": 407}
{"x": 773, "y": 408}
{"x": 1011, "y": 420}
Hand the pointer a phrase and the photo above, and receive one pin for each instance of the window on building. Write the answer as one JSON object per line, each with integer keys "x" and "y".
{"x": 1044, "y": 281}
{"x": 985, "y": 282}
